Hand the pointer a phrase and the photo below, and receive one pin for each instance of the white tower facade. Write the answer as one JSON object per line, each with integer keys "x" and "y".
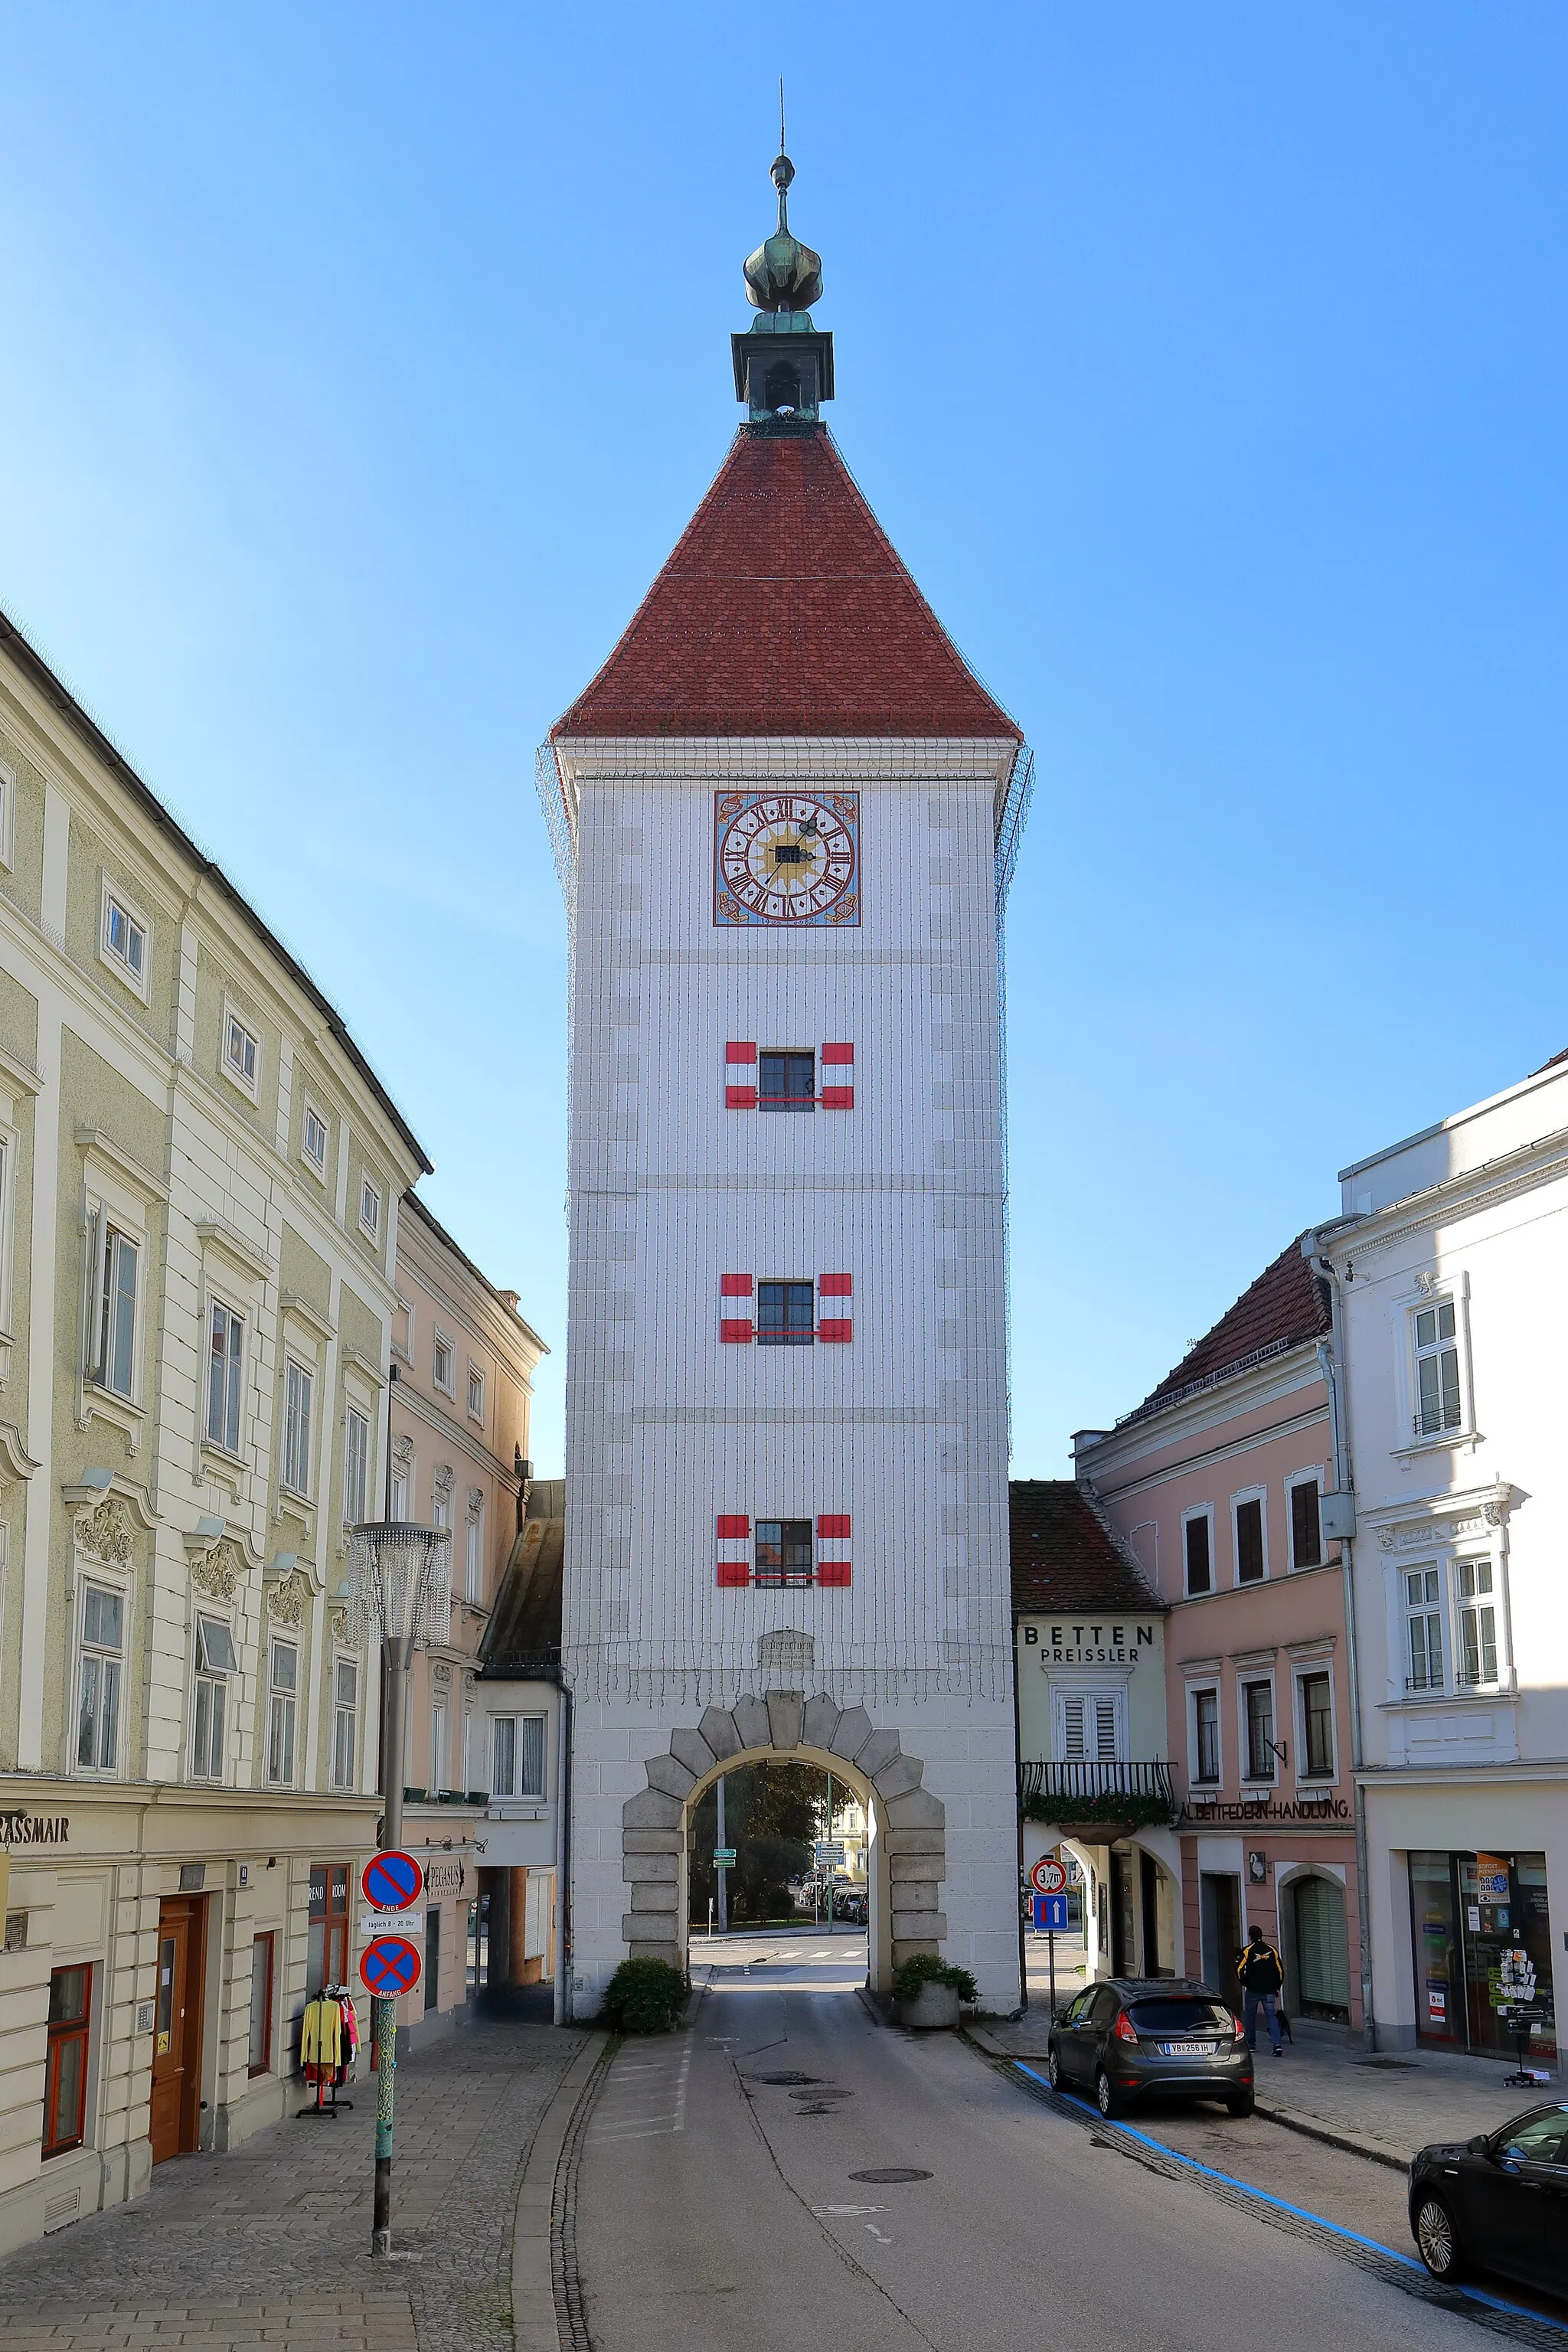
{"x": 785, "y": 814}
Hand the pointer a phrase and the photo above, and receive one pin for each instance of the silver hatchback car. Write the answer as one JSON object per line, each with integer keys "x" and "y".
{"x": 1133, "y": 2037}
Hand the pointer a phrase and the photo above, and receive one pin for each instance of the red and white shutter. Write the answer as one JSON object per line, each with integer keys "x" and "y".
{"x": 839, "y": 1325}
{"x": 733, "y": 1548}
{"x": 833, "y": 1547}
{"x": 840, "y": 1095}
{"x": 734, "y": 1328}
{"x": 740, "y": 1075}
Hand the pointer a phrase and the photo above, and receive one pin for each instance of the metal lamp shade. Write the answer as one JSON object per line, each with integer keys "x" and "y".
{"x": 400, "y": 1580}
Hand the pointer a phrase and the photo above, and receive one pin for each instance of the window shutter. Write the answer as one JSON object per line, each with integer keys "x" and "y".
{"x": 840, "y": 1096}
{"x": 736, "y": 1330}
{"x": 735, "y": 1286}
{"x": 833, "y": 1547}
{"x": 741, "y": 1075}
{"x": 1072, "y": 1730}
{"x": 835, "y": 1286}
{"x": 1105, "y": 1731}
{"x": 840, "y": 1053}
{"x": 834, "y": 1327}
{"x": 733, "y": 1535}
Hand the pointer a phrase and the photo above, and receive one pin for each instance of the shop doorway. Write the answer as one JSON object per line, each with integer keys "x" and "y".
{"x": 1123, "y": 1950}
{"x": 1483, "y": 1952}
{"x": 1219, "y": 1921}
{"x": 1148, "y": 1904}
{"x": 1320, "y": 1949}
{"x": 176, "y": 2125}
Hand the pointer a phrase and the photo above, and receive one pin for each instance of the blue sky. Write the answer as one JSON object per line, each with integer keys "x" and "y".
{"x": 1207, "y": 363}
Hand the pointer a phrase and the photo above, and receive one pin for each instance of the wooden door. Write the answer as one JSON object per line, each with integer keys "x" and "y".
{"x": 175, "y": 2122}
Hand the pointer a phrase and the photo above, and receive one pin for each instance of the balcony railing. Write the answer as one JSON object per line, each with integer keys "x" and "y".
{"x": 1096, "y": 1792}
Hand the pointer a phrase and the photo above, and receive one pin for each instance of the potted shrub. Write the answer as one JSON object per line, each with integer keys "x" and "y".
{"x": 927, "y": 1993}
{"x": 645, "y": 1997}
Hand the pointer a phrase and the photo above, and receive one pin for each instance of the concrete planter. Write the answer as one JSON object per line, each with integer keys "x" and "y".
{"x": 933, "y": 2007}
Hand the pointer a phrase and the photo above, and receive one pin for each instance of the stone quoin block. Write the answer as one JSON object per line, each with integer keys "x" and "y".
{"x": 689, "y": 1747}
{"x": 635, "y": 1932}
{"x": 914, "y": 1927}
{"x": 652, "y": 1842}
{"x": 914, "y": 1841}
{"x": 669, "y": 1773}
{"x": 752, "y": 1722}
{"x": 819, "y": 1722}
{"x": 897, "y": 1778}
{"x": 650, "y": 1809}
{"x": 880, "y": 1750}
{"x": 787, "y": 1712}
{"x": 718, "y": 1729}
{"x": 905, "y": 1869}
{"x": 853, "y": 1732}
{"x": 652, "y": 1869}
{"x": 648, "y": 1895}
{"x": 919, "y": 1810}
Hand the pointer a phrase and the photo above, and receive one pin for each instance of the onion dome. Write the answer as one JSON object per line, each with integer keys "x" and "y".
{"x": 783, "y": 274}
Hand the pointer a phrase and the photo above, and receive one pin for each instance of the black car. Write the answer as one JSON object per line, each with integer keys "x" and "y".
{"x": 1499, "y": 2203}
{"x": 1128, "y": 2036}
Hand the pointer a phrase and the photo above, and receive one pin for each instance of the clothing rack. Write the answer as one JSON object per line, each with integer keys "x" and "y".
{"x": 317, "y": 2034}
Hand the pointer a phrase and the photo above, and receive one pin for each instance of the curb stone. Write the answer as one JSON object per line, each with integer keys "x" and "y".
{"x": 534, "y": 2324}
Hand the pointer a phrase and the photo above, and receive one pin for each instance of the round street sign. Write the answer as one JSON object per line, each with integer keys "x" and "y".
{"x": 1047, "y": 1876}
{"x": 389, "y": 1966}
{"x": 391, "y": 1882}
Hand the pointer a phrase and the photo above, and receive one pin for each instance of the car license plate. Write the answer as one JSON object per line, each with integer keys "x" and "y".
{"x": 1187, "y": 2049}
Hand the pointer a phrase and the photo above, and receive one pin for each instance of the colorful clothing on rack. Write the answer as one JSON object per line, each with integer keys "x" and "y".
{"x": 320, "y": 2039}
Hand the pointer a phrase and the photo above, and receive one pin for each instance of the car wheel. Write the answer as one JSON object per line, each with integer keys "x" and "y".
{"x": 1054, "y": 2067}
{"x": 1106, "y": 2097}
{"x": 1240, "y": 2103}
{"x": 1436, "y": 2241}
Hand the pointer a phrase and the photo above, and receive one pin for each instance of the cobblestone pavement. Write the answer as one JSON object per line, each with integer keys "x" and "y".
{"x": 269, "y": 2244}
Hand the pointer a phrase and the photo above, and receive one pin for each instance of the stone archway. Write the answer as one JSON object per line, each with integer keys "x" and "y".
{"x": 910, "y": 1838}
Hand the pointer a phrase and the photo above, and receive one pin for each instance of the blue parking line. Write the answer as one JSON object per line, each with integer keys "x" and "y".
{"x": 1282, "y": 2205}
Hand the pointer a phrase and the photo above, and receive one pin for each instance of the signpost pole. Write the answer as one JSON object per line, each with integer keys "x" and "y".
{"x": 396, "y": 1655}
{"x": 1051, "y": 1955}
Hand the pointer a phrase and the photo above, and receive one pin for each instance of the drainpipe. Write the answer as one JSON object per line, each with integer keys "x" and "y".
{"x": 1333, "y": 1362}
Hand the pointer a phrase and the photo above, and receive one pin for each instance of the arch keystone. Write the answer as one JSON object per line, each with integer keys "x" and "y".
{"x": 787, "y": 1712}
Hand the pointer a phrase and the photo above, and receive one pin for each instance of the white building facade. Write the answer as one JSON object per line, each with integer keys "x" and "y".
{"x": 785, "y": 812}
{"x": 1450, "y": 1249}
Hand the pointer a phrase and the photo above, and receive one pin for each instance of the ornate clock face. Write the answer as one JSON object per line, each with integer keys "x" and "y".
{"x": 786, "y": 857}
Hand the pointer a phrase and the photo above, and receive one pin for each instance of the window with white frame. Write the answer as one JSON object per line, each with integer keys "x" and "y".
{"x": 402, "y": 1479}
{"x": 442, "y": 1364}
{"x": 370, "y": 1209}
{"x": 1205, "y": 1754}
{"x": 117, "y": 1262}
{"x": 215, "y": 1662}
{"x": 1475, "y": 1656}
{"x": 1315, "y": 1737}
{"x": 356, "y": 1465}
{"x": 518, "y": 1756}
{"x": 437, "y": 1750}
{"x": 241, "y": 1053}
{"x": 1434, "y": 1334}
{"x": 282, "y": 1709}
{"x": 441, "y": 1498}
{"x": 345, "y": 1722}
{"x": 100, "y": 1669}
{"x": 298, "y": 1385}
{"x": 476, "y": 1394}
{"x": 1258, "y": 1726}
{"x": 124, "y": 941}
{"x": 1306, "y": 1523}
{"x": 226, "y": 1362}
{"x": 1423, "y": 1630}
{"x": 474, "y": 1556}
{"x": 1249, "y": 1533}
{"x": 313, "y": 1139}
{"x": 1197, "y": 1550}
{"x": 1090, "y": 1726}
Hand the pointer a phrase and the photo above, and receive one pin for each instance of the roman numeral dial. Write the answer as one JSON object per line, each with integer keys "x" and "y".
{"x": 786, "y": 857}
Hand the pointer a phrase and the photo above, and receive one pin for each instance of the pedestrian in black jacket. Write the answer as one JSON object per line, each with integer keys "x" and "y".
{"x": 1262, "y": 1978}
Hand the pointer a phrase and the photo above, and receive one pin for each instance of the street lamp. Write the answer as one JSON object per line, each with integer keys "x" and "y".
{"x": 400, "y": 1582}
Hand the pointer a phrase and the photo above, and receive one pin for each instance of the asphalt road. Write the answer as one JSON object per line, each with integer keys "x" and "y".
{"x": 715, "y": 2208}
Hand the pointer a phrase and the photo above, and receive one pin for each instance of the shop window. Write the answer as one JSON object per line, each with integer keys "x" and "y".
{"x": 263, "y": 1961}
{"x": 65, "y": 2067}
{"x": 327, "y": 1933}
{"x": 1483, "y": 1952}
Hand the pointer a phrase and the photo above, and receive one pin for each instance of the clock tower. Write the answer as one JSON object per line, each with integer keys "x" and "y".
{"x": 785, "y": 814}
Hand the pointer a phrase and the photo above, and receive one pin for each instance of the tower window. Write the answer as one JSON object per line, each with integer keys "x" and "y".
{"x": 787, "y": 1082}
{"x": 786, "y": 1314}
{"x": 781, "y": 387}
{"x": 784, "y": 1551}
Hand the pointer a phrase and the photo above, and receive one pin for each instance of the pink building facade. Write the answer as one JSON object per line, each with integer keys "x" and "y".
{"x": 1222, "y": 1484}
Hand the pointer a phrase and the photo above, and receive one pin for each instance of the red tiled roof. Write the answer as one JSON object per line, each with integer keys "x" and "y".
{"x": 784, "y": 610}
{"x": 1552, "y": 1064}
{"x": 1063, "y": 1554}
{"x": 1286, "y": 1304}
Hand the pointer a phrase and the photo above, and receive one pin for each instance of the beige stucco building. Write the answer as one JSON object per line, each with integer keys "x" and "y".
{"x": 201, "y": 1189}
